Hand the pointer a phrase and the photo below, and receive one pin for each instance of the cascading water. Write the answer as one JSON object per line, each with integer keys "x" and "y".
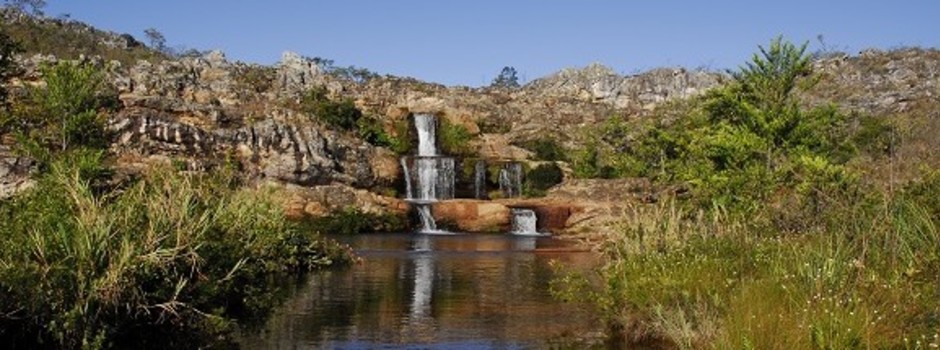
{"x": 427, "y": 220}
{"x": 479, "y": 183}
{"x": 427, "y": 129}
{"x": 510, "y": 179}
{"x": 429, "y": 177}
{"x": 524, "y": 222}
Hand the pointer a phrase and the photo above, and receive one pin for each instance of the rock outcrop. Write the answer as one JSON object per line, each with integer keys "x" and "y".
{"x": 302, "y": 155}
{"x": 15, "y": 172}
{"x": 599, "y": 83}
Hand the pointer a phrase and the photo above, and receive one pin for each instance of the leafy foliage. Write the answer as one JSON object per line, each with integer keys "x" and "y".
{"x": 342, "y": 114}
{"x": 542, "y": 177}
{"x": 740, "y": 143}
{"x": 82, "y": 267}
{"x": 351, "y": 220}
{"x": 507, "y": 79}
{"x": 68, "y": 112}
{"x": 8, "y": 69}
{"x": 546, "y": 148}
{"x": 352, "y": 73}
{"x": 454, "y": 138}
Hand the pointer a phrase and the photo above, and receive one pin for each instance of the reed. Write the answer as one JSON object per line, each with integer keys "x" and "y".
{"x": 86, "y": 266}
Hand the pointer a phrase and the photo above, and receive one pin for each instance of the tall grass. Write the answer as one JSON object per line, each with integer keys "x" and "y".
{"x": 867, "y": 276}
{"x": 171, "y": 258}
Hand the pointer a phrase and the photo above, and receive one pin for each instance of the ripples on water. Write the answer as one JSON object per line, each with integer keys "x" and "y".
{"x": 416, "y": 291}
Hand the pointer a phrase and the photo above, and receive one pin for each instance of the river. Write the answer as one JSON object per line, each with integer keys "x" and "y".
{"x": 435, "y": 291}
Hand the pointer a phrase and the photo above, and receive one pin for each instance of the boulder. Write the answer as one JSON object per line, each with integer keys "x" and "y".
{"x": 470, "y": 215}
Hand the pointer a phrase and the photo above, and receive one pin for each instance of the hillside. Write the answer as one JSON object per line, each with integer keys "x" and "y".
{"x": 200, "y": 110}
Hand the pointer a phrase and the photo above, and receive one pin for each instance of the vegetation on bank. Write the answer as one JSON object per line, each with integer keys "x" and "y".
{"x": 172, "y": 258}
{"x": 783, "y": 242}
{"x": 166, "y": 259}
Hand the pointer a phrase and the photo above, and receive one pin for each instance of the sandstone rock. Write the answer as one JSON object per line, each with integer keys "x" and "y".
{"x": 598, "y": 83}
{"x": 296, "y": 73}
{"x": 292, "y": 153}
{"x": 319, "y": 201}
{"x": 470, "y": 215}
{"x": 14, "y": 173}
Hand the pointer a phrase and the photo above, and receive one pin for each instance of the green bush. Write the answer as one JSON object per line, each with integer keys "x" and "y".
{"x": 454, "y": 139}
{"x": 351, "y": 220}
{"x": 341, "y": 114}
{"x": 184, "y": 256}
{"x": 741, "y": 143}
{"x": 541, "y": 178}
{"x": 546, "y": 149}
{"x": 68, "y": 112}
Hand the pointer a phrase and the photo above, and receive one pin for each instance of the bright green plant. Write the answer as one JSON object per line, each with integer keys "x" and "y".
{"x": 342, "y": 114}
{"x": 68, "y": 111}
{"x": 546, "y": 149}
{"x": 183, "y": 256}
{"x": 454, "y": 138}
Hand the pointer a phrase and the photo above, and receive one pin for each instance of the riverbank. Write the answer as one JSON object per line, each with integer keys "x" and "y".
{"x": 168, "y": 260}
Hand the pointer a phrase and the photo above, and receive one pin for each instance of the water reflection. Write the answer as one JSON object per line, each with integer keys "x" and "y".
{"x": 445, "y": 291}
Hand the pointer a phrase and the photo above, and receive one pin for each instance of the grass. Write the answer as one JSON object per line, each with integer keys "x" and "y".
{"x": 866, "y": 277}
{"x": 173, "y": 259}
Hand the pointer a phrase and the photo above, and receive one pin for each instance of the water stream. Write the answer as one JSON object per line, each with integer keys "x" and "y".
{"x": 431, "y": 291}
{"x": 510, "y": 179}
{"x": 524, "y": 222}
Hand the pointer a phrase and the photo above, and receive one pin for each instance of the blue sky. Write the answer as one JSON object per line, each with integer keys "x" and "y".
{"x": 468, "y": 42}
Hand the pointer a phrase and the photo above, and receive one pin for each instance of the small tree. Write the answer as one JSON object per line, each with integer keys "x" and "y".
{"x": 771, "y": 75}
{"x": 507, "y": 78}
{"x": 32, "y": 6}
{"x": 63, "y": 114}
{"x": 156, "y": 39}
{"x": 342, "y": 114}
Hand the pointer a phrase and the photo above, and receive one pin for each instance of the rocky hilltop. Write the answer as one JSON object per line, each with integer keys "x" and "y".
{"x": 202, "y": 111}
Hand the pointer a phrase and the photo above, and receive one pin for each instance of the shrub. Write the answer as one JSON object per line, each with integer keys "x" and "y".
{"x": 351, "y": 220}
{"x": 341, "y": 114}
{"x": 255, "y": 78}
{"x": 8, "y": 69}
{"x": 546, "y": 149}
{"x": 541, "y": 178}
{"x": 740, "y": 143}
{"x": 68, "y": 112}
{"x": 454, "y": 139}
{"x": 507, "y": 79}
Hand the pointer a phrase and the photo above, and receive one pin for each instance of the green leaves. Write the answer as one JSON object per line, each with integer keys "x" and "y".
{"x": 342, "y": 114}
{"x": 65, "y": 112}
{"x": 772, "y": 74}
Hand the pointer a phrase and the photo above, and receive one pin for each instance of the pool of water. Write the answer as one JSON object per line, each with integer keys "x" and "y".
{"x": 435, "y": 291}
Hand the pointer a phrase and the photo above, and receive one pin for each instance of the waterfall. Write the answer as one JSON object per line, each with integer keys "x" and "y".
{"x": 427, "y": 220}
{"x": 427, "y": 141}
{"x": 510, "y": 179}
{"x": 479, "y": 171}
{"x": 429, "y": 176}
{"x": 524, "y": 222}
{"x": 404, "y": 168}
